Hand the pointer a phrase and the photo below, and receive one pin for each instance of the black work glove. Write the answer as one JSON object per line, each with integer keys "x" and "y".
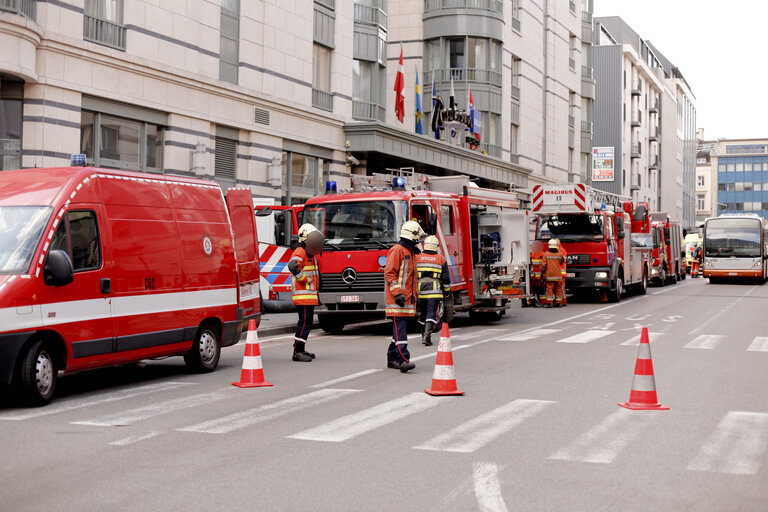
{"x": 400, "y": 299}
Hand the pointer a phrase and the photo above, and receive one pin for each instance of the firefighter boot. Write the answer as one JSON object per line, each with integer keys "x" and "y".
{"x": 299, "y": 354}
{"x": 406, "y": 366}
{"x": 426, "y": 336}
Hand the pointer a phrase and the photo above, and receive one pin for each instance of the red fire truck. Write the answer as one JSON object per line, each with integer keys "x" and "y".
{"x": 668, "y": 264}
{"x": 277, "y": 227}
{"x": 483, "y": 235}
{"x": 592, "y": 227}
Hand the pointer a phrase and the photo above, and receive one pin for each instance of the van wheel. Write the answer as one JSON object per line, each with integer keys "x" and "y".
{"x": 38, "y": 373}
{"x": 204, "y": 355}
{"x": 332, "y": 324}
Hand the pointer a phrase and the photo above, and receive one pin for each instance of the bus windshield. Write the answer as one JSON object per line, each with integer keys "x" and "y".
{"x": 21, "y": 228}
{"x": 570, "y": 227}
{"x": 724, "y": 237}
{"x": 359, "y": 224}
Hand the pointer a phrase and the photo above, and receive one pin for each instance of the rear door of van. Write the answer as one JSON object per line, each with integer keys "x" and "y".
{"x": 241, "y": 214}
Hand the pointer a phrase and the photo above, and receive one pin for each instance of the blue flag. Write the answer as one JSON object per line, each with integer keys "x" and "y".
{"x": 419, "y": 115}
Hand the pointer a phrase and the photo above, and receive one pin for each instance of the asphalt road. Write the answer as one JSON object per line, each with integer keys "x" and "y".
{"x": 538, "y": 429}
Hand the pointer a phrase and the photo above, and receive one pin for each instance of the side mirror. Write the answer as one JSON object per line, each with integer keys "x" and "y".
{"x": 432, "y": 224}
{"x": 620, "y": 227}
{"x": 57, "y": 270}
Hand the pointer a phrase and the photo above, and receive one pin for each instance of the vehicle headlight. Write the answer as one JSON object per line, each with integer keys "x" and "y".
{"x": 601, "y": 275}
{"x": 756, "y": 263}
{"x": 707, "y": 263}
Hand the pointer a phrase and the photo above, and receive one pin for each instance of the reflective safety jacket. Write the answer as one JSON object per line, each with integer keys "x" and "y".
{"x": 552, "y": 265}
{"x": 565, "y": 258}
{"x": 432, "y": 274}
{"x": 535, "y": 265}
{"x": 306, "y": 283}
{"x": 400, "y": 278}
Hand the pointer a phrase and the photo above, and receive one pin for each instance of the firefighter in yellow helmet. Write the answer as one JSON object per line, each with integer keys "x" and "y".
{"x": 434, "y": 284}
{"x": 305, "y": 280}
{"x": 400, "y": 293}
{"x": 551, "y": 270}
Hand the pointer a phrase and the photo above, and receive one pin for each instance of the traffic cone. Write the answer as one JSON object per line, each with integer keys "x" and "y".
{"x": 443, "y": 378}
{"x": 643, "y": 393}
{"x": 252, "y": 374}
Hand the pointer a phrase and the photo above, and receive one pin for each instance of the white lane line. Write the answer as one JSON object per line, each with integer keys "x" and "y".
{"x": 759, "y": 344}
{"x": 135, "y": 439}
{"x": 487, "y": 487}
{"x": 706, "y": 341}
{"x": 267, "y": 412}
{"x": 536, "y": 333}
{"x": 345, "y": 379}
{"x": 478, "y": 432}
{"x": 737, "y": 445}
{"x": 603, "y": 442}
{"x": 723, "y": 311}
{"x": 131, "y": 416}
{"x": 633, "y": 342}
{"x": 677, "y": 287}
{"x": 586, "y": 336}
{"x": 88, "y": 401}
{"x": 353, "y": 425}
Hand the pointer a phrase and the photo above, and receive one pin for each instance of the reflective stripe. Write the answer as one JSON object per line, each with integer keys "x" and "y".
{"x": 421, "y": 266}
{"x": 394, "y": 308}
{"x": 438, "y": 295}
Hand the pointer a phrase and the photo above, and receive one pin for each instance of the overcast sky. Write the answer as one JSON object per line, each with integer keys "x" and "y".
{"x": 720, "y": 48}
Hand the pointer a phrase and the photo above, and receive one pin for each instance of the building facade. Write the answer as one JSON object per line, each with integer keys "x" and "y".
{"x": 706, "y": 178}
{"x": 742, "y": 176}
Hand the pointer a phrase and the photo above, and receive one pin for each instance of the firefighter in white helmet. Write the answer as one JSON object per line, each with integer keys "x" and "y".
{"x": 551, "y": 269}
{"x": 305, "y": 280}
{"x": 400, "y": 293}
{"x": 434, "y": 284}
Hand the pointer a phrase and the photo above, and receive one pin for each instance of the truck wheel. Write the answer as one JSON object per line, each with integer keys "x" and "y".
{"x": 332, "y": 324}
{"x": 37, "y": 374}
{"x": 615, "y": 295}
{"x": 641, "y": 288}
{"x": 204, "y": 355}
{"x": 672, "y": 278}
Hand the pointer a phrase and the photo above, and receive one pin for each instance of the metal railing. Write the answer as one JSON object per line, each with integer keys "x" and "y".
{"x": 104, "y": 32}
{"x": 586, "y": 32}
{"x": 515, "y": 92}
{"x": 460, "y": 74}
{"x": 322, "y": 99}
{"x": 586, "y": 16}
{"x": 571, "y": 121}
{"x": 636, "y": 150}
{"x": 26, "y": 8}
{"x": 586, "y": 126}
{"x": 10, "y": 154}
{"x": 331, "y": 4}
{"x": 370, "y": 14}
{"x": 572, "y": 63}
{"x": 486, "y": 5}
{"x": 515, "y": 24}
{"x": 515, "y": 117}
{"x": 491, "y": 150}
{"x": 571, "y": 137}
{"x": 364, "y": 111}
{"x": 587, "y": 72}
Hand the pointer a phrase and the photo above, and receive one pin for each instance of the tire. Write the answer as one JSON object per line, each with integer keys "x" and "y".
{"x": 204, "y": 355}
{"x": 642, "y": 287}
{"x": 332, "y": 324}
{"x": 615, "y": 295}
{"x": 672, "y": 278}
{"x": 38, "y": 372}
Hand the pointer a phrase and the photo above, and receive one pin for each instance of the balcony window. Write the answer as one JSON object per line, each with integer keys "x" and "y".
{"x": 321, "y": 78}
{"x": 11, "y": 95}
{"x": 478, "y": 53}
{"x": 103, "y": 23}
{"x": 365, "y": 90}
{"x": 121, "y": 143}
{"x": 26, "y": 8}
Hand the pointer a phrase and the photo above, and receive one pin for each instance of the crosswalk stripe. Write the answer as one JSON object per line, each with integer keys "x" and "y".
{"x": 475, "y": 334}
{"x": 759, "y": 344}
{"x": 525, "y": 336}
{"x": 487, "y": 487}
{"x": 633, "y": 342}
{"x": 478, "y": 432}
{"x": 586, "y": 336}
{"x": 603, "y": 442}
{"x": 344, "y": 379}
{"x": 268, "y": 412}
{"x": 706, "y": 341}
{"x": 353, "y": 425}
{"x": 737, "y": 445}
{"x": 135, "y": 439}
{"x": 131, "y": 416}
{"x": 65, "y": 405}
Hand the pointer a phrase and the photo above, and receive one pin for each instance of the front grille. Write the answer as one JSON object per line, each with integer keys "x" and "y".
{"x": 365, "y": 282}
{"x": 578, "y": 259}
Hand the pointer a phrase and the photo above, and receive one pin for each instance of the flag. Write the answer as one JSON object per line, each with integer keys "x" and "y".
{"x": 435, "y": 124}
{"x": 419, "y": 115}
{"x": 475, "y": 118}
{"x": 454, "y": 128}
{"x": 399, "y": 87}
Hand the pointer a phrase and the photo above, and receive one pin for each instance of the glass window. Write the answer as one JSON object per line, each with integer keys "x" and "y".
{"x": 456, "y": 53}
{"x": 721, "y": 167}
{"x": 119, "y": 139}
{"x": 84, "y": 238}
{"x": 11, "y": 94}
{"x": 21, "y": 228}
{"x": 433, "y": 55}
{"x": 123, "y": 143}
{"x": 721, "y": 187}
{"x": 700, "y": 202}
{"x": 700, "y": 181}
{"x": 730, "y": 167}
{"x": 739, "y": 186}
{"x": 478, "y": 53}
{"x": 747, "y": 166}
{"x": 109, "y": 10}
{"x": 229, "y": 41}
{"x": 739, "y": 167}
{"x": 321, "y": 75}
{"x": 362, "y": 81}
{"x": 447, "y": 211}
{"x": 731, "y": 187}
{"x": 495, "y": 56}
{"x": 362, "y": 224}
{"x": 757, "y": 187}
{"x": 747, "y": 186}
{"x": 154, "y": 141}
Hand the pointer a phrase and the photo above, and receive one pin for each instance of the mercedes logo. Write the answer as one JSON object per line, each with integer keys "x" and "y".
{"x": 348, "y": 275}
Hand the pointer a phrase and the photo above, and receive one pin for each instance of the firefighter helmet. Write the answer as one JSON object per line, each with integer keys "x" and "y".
{"x": 412, "y": 231}
{"x": 431, "y": 243}
{"x": 305, "y": 230}
{"x": 553, "y": 243}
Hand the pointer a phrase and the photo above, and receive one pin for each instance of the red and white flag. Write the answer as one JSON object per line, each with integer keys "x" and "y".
{"x": 399, "y": 87}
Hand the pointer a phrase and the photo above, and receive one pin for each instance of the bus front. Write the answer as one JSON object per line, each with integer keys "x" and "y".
{"x": 734, "y": 246}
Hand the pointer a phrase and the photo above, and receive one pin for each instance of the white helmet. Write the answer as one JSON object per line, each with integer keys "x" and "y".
{"x": 553, "y": 243}
{"x": 412, "y": 231}
{"x": 431, "y": 243}
{"x": 304, "y": 231}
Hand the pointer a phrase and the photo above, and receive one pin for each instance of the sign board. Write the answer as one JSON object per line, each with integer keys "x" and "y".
{"x": 602, "y": 164}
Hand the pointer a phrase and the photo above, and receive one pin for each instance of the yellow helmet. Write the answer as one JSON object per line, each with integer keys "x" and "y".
{"x": 431, "y": 243}
{"x": 304, "y": 231}
{"x": 412, "y": 231}
{"x": 553, "y": 243}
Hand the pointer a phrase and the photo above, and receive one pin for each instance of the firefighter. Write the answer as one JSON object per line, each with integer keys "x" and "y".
{"x": 562, "y": 269}
{"x": 305, "y": 279}
{"x": 434, "y": 284}
{"x": 537, "y": 289}
{"x": 400, "y": 293}
{"x": 696, "y": 261}
{"x": 551, "y": 266}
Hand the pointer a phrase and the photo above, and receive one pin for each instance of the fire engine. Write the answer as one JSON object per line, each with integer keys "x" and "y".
{"x": 483, "y": 235}
{"x": 592, "y": 227}
{"x": 668, "y": 266}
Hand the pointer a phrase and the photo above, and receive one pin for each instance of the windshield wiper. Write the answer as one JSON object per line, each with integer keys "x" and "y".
{"x": 332, "y": 247}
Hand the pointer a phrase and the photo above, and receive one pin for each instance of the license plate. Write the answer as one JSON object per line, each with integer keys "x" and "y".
{"x": 733, "y": 273}
{"x": 349, "y": 298}
{"x": 570, "y": 274}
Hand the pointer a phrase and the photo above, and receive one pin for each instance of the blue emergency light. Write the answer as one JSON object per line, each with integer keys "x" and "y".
{"x": 77, "y": 160}
{"x": 398, "y": 183}
{"x": 330, "y": 187}
{"x": 603, "y": 206}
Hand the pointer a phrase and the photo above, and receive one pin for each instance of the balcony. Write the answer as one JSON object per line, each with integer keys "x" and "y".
{"x": 571, "y": 122}
{"x": 586, "y": 142}
{"x": 636, "y": 150}
{"x": 586, "y": 127}
{"x": 365, "y": 111}
{"x": 26, "y": 8}
{"x": 484, "y": 76}
{"x": 322, "y": 99}
{"x": 572, "y": 64}
{"x": 370, "y": 14}
{"x": 636, "y": 91}
{"x": 571, "y": 137}
{"x": 104, "y": 32}
{"x": 653, "y": 108}
{"x": 637, "y": 119}
{"x": 587, "y": 72}
{"x": 586, "y": 32}
{"x": 331, "y": 4}
{"x": 515, "y": 92}
{"x": 653, "y": 135}
{"x": 491, "y": 150}
{"x": 515, "y": 117}
{"x": 654, "y": 163}
{"x": 586, "y": 16}
{"x": 485, "y": 5}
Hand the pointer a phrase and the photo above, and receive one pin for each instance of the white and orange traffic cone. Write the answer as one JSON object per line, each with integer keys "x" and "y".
{"x": 252, "y": 374}
{"x": 443, "y": 377}
{"x": 642, "y": 396}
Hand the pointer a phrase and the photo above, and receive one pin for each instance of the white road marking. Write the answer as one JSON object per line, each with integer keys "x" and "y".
{"x": 135, "y": 439}
{"x": 344, "y": 379}
{"x": 737, "y": 445}
{"x": 487, "y": 487}
{"x": 759, "y": 344}
{"x": 586, "y": 336}
{"x": 65, "y": 405}
{"x": 475, "y": 334}
{"x": 633, "y": 342}
{"x": 268, "y": 412}
{"x": 603, "y": 442}
{"x": 138, "y": 414}
{"x": 706, "y": 341}
{"x": 672, "y": 318}
{"x": 536, "y": 333}
{"x": 477, "y": 432}
{"x": 353, "y": 425}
